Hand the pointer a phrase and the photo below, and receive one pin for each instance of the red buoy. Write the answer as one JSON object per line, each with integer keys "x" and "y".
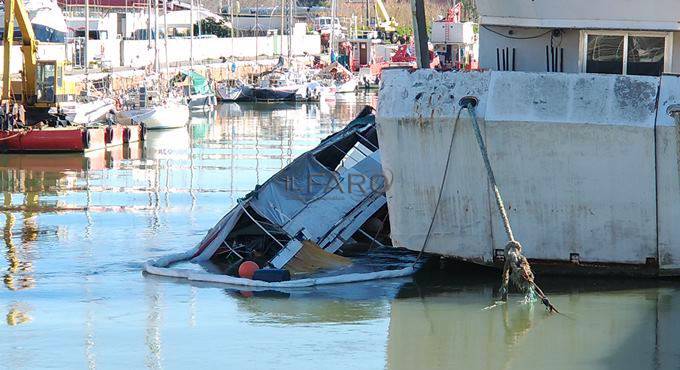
{"x": 247, "y": 269}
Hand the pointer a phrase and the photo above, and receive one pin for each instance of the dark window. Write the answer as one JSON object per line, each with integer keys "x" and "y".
{"x": 645, "y": 55}
{"x": 605, "y": 54}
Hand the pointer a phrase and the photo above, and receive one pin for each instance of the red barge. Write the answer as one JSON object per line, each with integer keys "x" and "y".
{"x": 68, "y": 139}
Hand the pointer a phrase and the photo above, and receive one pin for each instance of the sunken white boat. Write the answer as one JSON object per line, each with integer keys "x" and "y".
{"x": 318, "y": 207}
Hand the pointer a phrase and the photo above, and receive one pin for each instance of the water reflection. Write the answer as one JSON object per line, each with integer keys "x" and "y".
{"x": 18, "y": 275}
{"x": 78, "y": 227}
{"x": 77, "y": 230}
{"x": 620, "y": 326}
{"x": 342, "y": 303}
{"x": 18, "y": 314}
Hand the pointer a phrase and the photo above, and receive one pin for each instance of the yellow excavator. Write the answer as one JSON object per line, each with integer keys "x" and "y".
{"x": 386, "y": 25}
{"x": 42, "y": 84}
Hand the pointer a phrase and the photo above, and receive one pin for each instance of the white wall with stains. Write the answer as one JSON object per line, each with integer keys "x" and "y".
{"x": 575, "y": 156}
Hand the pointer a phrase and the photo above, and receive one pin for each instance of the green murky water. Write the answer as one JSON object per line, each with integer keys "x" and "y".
{"x": 77, "y": 230}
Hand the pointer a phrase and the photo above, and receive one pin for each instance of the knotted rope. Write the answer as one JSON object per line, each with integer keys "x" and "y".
{"x": 516, "y": 267}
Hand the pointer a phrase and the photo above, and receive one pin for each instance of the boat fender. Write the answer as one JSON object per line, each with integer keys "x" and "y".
{"x": 108, "y": 135}
{"x": 247, "y": 269}
{"x": 272, "y": 275}
{"x": 86, "y": 139}
{"x": 144, "y": 130}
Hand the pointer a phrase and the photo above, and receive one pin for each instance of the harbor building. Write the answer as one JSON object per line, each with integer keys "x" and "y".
{"x": 602, "y": 36}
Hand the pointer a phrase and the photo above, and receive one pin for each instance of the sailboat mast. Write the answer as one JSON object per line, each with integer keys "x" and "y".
{"x": 165, "y": 36}
{"x": 257, "y": 29}
{"x": 333, "y": 4}
{"x": 191, "y": 34}
{"x": 283, "y": 13}
{"x": 148, "y": 23}
{"x": 155, "y": 37}
{"x": 290, "y": 30}
{"x": 87, "y": 38}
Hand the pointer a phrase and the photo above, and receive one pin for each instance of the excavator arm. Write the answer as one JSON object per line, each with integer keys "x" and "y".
{"x": 386, "y": 23}
{"x": 380, "y": 7}
{"x": 17, "y": 9}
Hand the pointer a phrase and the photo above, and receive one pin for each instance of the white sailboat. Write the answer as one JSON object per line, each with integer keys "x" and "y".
{"x": 165, "y": 116}
{"x": 157, "y": 111}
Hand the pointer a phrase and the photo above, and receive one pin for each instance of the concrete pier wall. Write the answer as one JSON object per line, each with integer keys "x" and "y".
{"x": 577, "y": 158}
{"x": 137, "y": 53}
{"x": 668, "y": 176}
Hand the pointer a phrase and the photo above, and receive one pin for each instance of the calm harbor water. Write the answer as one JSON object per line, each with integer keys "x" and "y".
{"x": 76, "y": 231}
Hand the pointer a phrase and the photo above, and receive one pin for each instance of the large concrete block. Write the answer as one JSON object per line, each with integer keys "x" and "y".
{"x": 574, "y": 156}
{"x": 668, "y": 176}
{"x": 416, "y": 116}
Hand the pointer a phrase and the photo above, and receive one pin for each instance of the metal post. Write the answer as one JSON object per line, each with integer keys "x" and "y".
{"x": 420, "y": 33}
{"x": 368, "y": 22}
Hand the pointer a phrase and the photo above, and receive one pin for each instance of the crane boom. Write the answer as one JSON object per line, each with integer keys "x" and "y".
{"x": 17, "y": 9}
{"x": 382, "y": 10}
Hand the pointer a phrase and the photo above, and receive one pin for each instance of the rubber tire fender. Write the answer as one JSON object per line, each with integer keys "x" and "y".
{"x": 108, "y": 135}
{"x": 86, "y": 139}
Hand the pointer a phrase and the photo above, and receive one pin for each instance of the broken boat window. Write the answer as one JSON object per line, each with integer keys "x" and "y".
{"x": 354, "y": 156}
{"x": 605, "y": 54}
{"x": 646, "y": 55}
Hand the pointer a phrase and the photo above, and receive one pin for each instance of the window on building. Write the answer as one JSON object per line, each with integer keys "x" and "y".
{"x": 626, "y": 53}
{"x": 605, "y": 54}
{"x": 646, "y": 55}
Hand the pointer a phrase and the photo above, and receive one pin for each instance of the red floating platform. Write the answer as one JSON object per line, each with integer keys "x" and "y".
{"x": 69, "y": 139}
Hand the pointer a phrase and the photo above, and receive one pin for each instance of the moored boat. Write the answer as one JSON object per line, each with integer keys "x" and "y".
{"x": 197, "y": 89}
{"x": 93, "y": 112}
{"x": 167, "y": 115}
{"x": 231, "y": 91}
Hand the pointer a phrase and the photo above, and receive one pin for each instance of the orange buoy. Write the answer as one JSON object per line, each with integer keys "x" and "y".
{"x": 247, "y": 269}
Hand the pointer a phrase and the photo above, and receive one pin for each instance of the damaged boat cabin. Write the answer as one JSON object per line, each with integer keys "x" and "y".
{"x": 328, "y": 200}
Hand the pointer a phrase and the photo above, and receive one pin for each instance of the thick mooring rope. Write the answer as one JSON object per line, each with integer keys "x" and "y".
{"x": 516, "y": 265}
{"x": 441, "y": 188}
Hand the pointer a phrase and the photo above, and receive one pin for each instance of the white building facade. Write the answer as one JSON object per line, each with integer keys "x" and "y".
{"x": 587, "y": 36}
